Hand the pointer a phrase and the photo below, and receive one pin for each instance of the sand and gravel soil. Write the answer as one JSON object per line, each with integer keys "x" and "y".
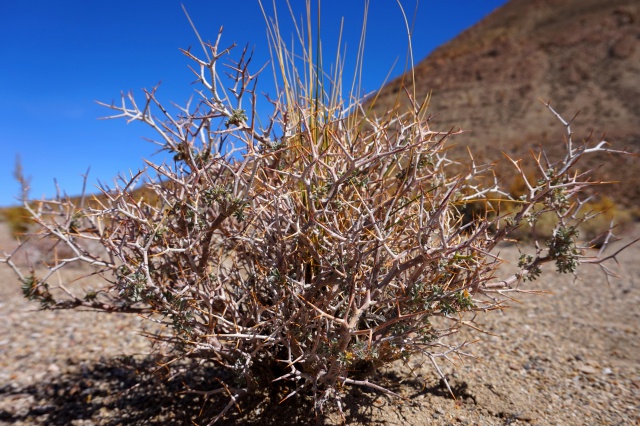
{"x": 570, "y": 357}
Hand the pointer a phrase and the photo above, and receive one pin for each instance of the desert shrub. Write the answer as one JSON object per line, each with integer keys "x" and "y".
{"x": 602, "y": 214}
{"x": 595, "y": 218}
{"x": 517, "y": 187}
{"x": 541, "y": 228}
{"x": 313, "y": 248}
{"x": 18, "y": 220}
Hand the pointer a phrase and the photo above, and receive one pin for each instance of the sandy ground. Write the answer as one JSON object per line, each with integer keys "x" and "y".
{"x": 567, "y": 358}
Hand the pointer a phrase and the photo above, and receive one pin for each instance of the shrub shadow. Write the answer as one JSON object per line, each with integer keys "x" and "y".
{"x": 130, "y": 391}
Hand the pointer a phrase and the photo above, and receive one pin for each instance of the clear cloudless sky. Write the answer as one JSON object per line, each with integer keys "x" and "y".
{"x": 58, "y": 57}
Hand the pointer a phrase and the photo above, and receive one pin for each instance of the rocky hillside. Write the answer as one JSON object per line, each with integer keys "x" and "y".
{"x": 582, "y": 55}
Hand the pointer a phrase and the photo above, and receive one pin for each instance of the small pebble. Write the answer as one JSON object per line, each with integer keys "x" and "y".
{"x": 587, "y": 369}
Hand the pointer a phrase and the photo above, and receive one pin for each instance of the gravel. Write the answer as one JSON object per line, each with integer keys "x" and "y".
{"x": 569, "y": 357}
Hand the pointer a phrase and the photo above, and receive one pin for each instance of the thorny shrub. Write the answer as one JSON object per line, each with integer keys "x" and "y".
{"x": 314, "y": 248}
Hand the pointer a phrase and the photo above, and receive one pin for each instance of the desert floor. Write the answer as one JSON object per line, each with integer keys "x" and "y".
{"x": 571, "y": 357}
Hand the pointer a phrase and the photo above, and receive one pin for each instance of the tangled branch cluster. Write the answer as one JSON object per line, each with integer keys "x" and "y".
{"x": 314, "y": 249}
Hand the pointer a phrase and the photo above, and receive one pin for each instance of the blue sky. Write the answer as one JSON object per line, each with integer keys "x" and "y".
{"x": 58, "y": 58}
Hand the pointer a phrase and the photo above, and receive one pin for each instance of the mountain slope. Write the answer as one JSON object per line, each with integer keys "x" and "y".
{"x": 582, "y": 55}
